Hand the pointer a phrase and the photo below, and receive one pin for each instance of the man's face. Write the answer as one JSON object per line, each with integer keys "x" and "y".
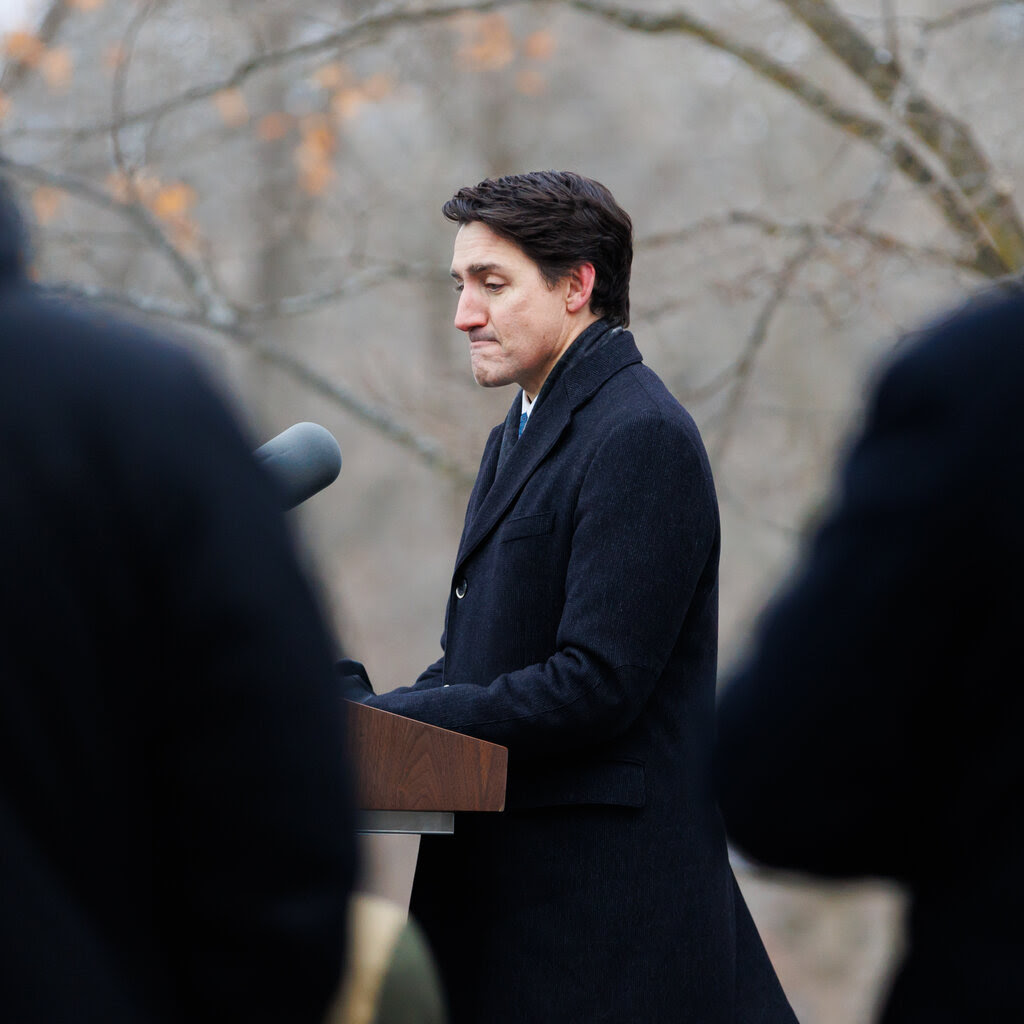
{"x": 518, "y": 327}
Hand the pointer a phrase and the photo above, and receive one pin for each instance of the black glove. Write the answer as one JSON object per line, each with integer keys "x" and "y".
{"x": 355, "y": 683}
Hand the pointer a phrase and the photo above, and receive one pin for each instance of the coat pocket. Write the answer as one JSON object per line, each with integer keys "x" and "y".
{"x": 527, "y": 526}
{"x": 610, "y": 783}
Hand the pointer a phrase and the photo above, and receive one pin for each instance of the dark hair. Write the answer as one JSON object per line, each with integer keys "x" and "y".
{"x": 559, "y": 219}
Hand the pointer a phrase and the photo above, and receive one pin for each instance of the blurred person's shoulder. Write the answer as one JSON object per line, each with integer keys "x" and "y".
{"x": 72, "y": 335}
{"x": 975, "y": 338}
{"x": 969, "y": 358}
{"x": 69, "y": 357}
{"x": 52, "y": 336}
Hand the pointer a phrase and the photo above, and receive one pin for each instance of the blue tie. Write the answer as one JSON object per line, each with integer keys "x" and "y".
{"x": 522, "y": 422}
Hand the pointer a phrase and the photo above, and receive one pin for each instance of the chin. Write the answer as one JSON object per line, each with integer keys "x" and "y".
{"x": 488, "y": 378}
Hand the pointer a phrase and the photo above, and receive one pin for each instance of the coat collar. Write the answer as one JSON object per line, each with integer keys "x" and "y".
{"x": 607, "y": 351}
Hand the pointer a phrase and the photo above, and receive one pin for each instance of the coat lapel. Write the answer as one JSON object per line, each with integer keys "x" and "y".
{"x": 547, "y": 423}
{"x": 484, "y": 479}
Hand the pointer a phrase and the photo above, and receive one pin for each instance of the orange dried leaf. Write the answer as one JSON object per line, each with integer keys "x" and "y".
{"x": 318, "y": 134}
{"x": 24, "y": 47}
{"x": 539, "y": 45}
{"x": 173, "y": 200}
{"x": 530, "y": 82}
{"x": 346, "y": 103}
{"x": 272, "y": 127}
{"x": 314, "y": 181}
{"x": 315, "y": 172}
{"x": 379, "y": 86}
{"x": 46, "y": 203}
{"x": 5, "y": 105}
{"x": 332, "y": 76}
{"x": 313, "y": 158}
{"x": 488, "y": 43}
{"x": 231, "y": 106}
{"x": 140, "y": 186}
{"x": 58, "y": 67}
{"x": 86, "y": 5}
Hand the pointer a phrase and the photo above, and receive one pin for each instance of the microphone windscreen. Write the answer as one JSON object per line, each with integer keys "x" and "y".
{"x": 303, "y": 459}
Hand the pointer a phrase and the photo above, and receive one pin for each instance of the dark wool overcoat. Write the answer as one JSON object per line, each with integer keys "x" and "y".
{"x": 581, "y": 633}
{"x": 176, "y": 835}
{"x": 876, "y": 729}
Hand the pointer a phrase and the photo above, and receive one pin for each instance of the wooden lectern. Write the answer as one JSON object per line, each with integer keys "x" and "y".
{"x": 412, "y": 777}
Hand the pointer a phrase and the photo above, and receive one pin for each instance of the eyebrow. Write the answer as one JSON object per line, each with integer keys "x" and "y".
{"x": 476, "y": 269}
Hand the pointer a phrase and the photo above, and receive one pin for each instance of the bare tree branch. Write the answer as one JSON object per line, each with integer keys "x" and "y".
{"x": 742, "y": 371}
{"x": 975, "y": 204}
{"x": 360, "y": 280}
{"x": 15, "y": 71}
{"x": 728, "y": 496}
{"x": 965, "y": 14}
{"x": 948, "y": 199}
{"x": 803, "y": 229}
{"x": 892, "y": 36}
{"x": 117, "y": 93}
{"x": 216, "y": 310}
{"x": 231, "y": 327}
{"x": 150, "y": 305}
{"x": 379, "y": 20}
{"x": 946, "y": 136}
{"x": 427, "y": 450}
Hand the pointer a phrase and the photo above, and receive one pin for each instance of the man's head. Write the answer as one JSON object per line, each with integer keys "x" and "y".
{"x": 559, "y": 219}
{"x": 538, "y": 258}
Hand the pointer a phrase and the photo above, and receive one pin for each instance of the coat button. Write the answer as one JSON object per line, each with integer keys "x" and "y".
{"x": 460, "y": 590}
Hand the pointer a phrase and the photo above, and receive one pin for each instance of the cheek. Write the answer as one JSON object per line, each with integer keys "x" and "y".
{"x": 515, "y": 322}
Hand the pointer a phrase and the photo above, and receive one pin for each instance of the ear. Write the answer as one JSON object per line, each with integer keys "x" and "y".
{"x": 580, "y": 287}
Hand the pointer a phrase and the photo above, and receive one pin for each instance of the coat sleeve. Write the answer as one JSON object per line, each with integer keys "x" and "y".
{"x": 431, "y": 676}
{"x": 645, "y": 533}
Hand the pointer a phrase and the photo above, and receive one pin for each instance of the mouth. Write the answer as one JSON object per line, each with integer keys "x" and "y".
{"x": 480, "y": 339}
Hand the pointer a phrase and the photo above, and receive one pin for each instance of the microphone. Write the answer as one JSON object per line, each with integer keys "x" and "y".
{"x": 303, "y": 459}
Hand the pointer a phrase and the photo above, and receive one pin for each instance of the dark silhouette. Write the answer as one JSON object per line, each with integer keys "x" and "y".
{"x": 176, "y": 833}
{"x": 876, "y": 728}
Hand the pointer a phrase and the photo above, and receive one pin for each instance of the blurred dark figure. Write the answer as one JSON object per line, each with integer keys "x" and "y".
{"x": 176, "y": 840}
{"x": 878, "y": 726}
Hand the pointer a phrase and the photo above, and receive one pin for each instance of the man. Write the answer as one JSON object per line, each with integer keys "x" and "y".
{"x": 176, "y": 839}
{"x": 581, "y": 633}
{"x": 876, "y": 727}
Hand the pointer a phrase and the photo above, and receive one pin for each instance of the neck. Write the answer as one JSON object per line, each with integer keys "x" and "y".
{"x": 576, "y": 327}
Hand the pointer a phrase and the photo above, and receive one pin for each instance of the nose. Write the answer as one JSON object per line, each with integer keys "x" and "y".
{"x": 470, "y": 312}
